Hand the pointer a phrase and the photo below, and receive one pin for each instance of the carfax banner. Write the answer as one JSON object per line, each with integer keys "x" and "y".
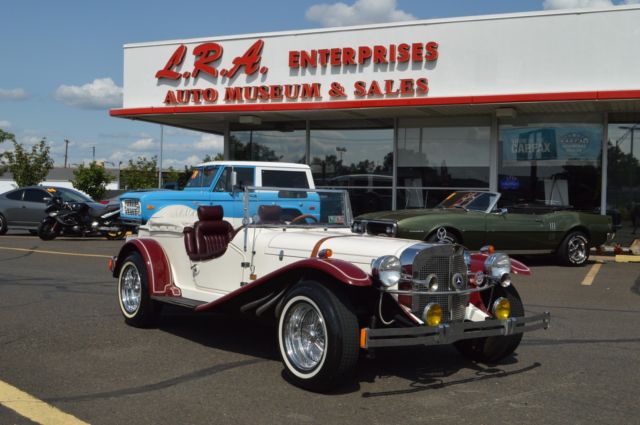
{"x": 552, "y": 145}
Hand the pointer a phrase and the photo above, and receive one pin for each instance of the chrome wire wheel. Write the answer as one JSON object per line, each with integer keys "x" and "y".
{"x": 305, "y": 336}
{"x": 577, "y": 249}
{"x": 130, "y": 289}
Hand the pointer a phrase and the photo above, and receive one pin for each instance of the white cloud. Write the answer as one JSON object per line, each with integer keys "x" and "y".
{"x": 13, "y": 94}
{"x": 584, "y": 4}
{"x": 143, "y": 145}
{"x": 5, "y": 124}
{"x": 361, "y": 12}
{"x": 193, "y": 160}
{"x": 102, "y": 93}
{"x": 212, "y": 143}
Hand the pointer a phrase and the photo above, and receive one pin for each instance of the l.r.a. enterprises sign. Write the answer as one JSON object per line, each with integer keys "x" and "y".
{"x": 209, "y": 62}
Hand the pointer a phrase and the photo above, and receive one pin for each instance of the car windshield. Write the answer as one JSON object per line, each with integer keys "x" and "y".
{"x": 296, "y": 207}
{"x": 202, "y": 176}
{"x": 471, "y": 201}
{"x": 69, "y": 195}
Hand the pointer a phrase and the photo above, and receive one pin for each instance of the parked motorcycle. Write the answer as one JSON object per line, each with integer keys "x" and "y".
{"x": 80, "y": 219}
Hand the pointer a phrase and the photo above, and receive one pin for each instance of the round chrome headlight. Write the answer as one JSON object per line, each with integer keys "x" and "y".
{"x": 497, "y": 265}
{"x": 386, "y": 269}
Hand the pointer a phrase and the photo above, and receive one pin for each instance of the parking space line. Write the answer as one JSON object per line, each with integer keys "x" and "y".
{"x": 41, "y": 251}
{"x": 591, "y": 275}
{"x": 33, "y": 409}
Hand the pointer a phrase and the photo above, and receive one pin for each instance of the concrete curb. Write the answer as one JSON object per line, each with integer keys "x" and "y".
{"x": 627, "y": 258}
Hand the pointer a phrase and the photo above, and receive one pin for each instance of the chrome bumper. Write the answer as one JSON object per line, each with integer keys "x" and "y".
{"x": 448, "y": 333}
{"x": 131, "y": 221}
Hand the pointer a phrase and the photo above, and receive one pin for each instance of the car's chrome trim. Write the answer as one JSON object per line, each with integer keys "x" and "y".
{"x": 414, "y": 292}
{"x": 448, "y": 333}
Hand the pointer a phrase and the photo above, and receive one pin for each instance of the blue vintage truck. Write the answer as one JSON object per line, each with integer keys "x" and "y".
{"x": 223, "y": 183}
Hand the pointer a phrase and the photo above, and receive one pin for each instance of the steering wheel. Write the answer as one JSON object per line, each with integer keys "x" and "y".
{"x": 303, "y": 217}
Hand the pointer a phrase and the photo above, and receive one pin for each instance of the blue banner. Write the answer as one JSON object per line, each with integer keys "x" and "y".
{"x": 550, "y": 145}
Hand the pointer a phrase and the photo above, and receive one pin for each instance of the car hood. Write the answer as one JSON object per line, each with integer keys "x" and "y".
{"x": 344, "y": 244}
{"x": 406, "y": 214}
{"x": 165, "y": 195}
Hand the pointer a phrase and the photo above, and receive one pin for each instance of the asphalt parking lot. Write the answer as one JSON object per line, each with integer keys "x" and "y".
{"x": 64, "y": 344}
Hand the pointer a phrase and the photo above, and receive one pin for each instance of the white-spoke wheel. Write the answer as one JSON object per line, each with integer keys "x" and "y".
{"x": 317, "y": 336}
{"x": 304, "y": 335}
{"x": 136, "y": 306}
{"x": 131, "y": 288}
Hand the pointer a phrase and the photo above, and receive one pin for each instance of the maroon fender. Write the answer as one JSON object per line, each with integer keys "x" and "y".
{"x": 340, "y": 270}
{"x": 157, "y": 264}
{"x": 478, "y": 259}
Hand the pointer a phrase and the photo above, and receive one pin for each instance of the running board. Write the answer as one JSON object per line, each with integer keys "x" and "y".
{"x": 179, "y": 301}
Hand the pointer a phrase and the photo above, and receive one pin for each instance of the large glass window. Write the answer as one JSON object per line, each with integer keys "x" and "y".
{"x": 359, "y": 160}
{"x": 623, "y": 173}
{"x": 551, "y": 163}
{"x": 436, "y": 157}
{"x": 262, "y": 145}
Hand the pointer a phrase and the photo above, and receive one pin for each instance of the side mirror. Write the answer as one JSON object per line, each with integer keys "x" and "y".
{"x": 503, "y": 211}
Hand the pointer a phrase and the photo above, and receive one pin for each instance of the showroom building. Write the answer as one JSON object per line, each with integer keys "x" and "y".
{"x": 541, "y": 106}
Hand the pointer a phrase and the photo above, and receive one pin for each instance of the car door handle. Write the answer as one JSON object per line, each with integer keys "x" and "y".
{"x": 537, "y": 220}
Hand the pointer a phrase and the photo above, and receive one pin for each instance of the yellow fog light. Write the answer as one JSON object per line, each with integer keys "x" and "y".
{"x": 432, "y": 314}
{"x": 501, "y": 309}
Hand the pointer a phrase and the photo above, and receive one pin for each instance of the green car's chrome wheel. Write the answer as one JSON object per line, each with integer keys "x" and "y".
{"x": 574, "y": 250}
{"x": 443, "y": 235}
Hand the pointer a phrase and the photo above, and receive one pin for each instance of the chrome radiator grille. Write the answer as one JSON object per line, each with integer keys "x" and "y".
{"x": 131, "y": 207}
{"x": 432, "y": 261}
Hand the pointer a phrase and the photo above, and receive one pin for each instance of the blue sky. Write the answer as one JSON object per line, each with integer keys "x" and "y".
{"x": 61, "y": 61}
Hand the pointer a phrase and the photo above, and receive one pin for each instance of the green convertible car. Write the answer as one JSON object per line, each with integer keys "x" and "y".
{"x": 476, "y": 219}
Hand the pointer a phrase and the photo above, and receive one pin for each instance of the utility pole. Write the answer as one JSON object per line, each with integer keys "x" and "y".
{"x": 160, "y": 165}
{"x": 66, "y": 151}
{"x": 93, "y": 157}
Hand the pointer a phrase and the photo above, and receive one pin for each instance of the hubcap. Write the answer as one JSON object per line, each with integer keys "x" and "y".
{"x": 304, "y": 336}
{"x": 130, "y": 289}
{"x": 443, "y": 236}
{"x": 577, "y": 249}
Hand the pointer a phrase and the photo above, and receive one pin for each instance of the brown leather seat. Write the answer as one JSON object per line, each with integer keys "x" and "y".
{"x": 270, "y": 214}
{"x": 209, "y": 236}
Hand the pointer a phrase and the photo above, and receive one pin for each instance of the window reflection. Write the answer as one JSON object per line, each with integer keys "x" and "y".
{"x": 623, "y": 173}
{"x": 261, "y": 145}
{"x": 436, "y": 157}
{"x": 360, "y": 161}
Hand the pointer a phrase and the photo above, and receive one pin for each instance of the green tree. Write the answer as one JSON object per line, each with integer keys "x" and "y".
{"x": 170, "y": 176}
{"x": 28, "y": 168}
{"x": 92, "y": 180}
{"x": 141, "y": 174}
{"x": 5, "y": 136}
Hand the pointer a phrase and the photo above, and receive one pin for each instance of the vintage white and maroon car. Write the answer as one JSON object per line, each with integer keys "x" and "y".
{"x": 331, "y": 292}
